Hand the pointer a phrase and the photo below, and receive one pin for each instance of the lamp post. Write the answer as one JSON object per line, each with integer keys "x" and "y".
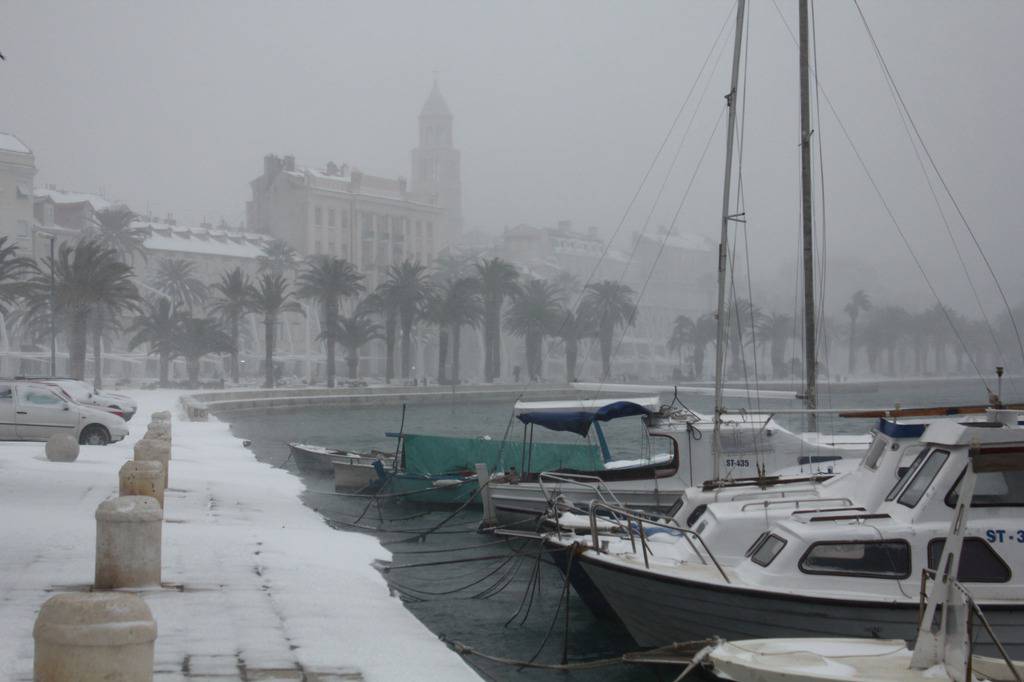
{"x": 53, "y": 306}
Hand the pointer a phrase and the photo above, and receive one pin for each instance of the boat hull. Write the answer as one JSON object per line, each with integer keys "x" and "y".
{"x": 439, "y": 490}
{"x": 659, "y": 610}
{"x": 516, "y": 501}
{"x": 312, "y": 462}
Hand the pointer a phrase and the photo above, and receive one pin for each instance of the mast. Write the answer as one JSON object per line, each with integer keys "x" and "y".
{"x": 723, "y": 245}
{"x": 810, "y": 335}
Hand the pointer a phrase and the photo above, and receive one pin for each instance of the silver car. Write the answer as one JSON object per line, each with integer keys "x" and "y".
{"x": 35, "y": 411}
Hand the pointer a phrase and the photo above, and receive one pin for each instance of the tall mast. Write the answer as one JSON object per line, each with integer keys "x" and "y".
{"x": 723, "y": 245}
{"x": 810, "y": 335}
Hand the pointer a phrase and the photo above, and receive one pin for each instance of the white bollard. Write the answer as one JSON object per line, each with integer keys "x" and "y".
{"x": 128, "y": 539}
{"x": 151, "y": 450}
{"x": 142, "y": 478}
{"x": 94, "y": 637}
{"x": 61, "y": 447}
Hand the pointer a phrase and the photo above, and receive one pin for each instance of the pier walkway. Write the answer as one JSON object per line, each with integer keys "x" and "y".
{"x": 255, "y": 585}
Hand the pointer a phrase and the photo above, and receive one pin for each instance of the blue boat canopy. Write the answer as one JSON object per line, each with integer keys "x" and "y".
{"x": 577, "y": 415}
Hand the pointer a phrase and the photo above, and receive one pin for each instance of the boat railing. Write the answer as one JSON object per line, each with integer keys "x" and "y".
{"x": 771, "y": 494}
{"x": 796, "y": 502}
{"x": 619, "y": 514}
{"x": 973, "y": 610}
{"x": 592, "y": 483}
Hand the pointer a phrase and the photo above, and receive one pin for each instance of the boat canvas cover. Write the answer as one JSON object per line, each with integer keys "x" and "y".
{"x": 431, "y": 455}
{"x": 577, "y": 415}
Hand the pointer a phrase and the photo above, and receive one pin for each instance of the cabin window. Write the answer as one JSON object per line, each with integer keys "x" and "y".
{"x": 905, "y": 476}
{"x": 922, "y": 480}
{"x": 875, "y": 559}
{"x": 767, "y": 551}
{"x": 757, "y": 543}
{"x": 979, "y": 563}
{"x": 875, "y": 453}
{"x": 695, "y": 514}
{"x": 993, "y": 489}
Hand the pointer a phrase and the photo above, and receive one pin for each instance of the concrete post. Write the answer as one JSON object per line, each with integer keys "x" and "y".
{"x": 142, "y": 478}
{"x": 159, "y": 431}
{"x": 128, "y": 539}
{"x": 150, "y": 450}
{"x": 94, "y": 637}
{"x": 482, "y": 477}
{"x": 161, "y": 416}
{"x": 62, "y": 447}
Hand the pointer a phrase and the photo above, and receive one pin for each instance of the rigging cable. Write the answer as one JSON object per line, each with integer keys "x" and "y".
{"x": 905, "y": 117}
{"x": 896, "y": 224}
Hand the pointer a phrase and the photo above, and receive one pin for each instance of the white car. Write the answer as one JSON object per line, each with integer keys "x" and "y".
{"x": 83, "y": 393}
{"x": 36, "y": 411}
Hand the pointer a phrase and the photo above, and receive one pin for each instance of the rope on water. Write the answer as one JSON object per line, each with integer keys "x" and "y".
{"x": 685, "y": 648}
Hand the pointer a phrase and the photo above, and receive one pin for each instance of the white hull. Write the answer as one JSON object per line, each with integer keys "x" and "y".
{"x": 658, "y": 610}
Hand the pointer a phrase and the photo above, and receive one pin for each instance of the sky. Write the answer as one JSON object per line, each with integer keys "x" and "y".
{"x": 559, "y": 108}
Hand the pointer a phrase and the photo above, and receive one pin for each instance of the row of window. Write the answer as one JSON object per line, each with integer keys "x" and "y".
{"x": 889, "y": 559}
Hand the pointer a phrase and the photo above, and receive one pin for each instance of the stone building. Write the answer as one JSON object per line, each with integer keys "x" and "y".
{"x": 17, "y": 172}
{"x": 371, "y": 221}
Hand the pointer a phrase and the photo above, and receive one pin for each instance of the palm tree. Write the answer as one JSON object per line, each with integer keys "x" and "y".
{"x": 353, "y": 332}
{"x": 86, "y": 276}
{"x": 454, "y": 305}
{"x": 175, "y": 277}
{"x": 16, "y": 273}
{"x": 277, "y": 258}
{"x": 112, "y": 227}
{"x": 499, "y": 279}
{"x": 157, "y": 325}
{"x": 609, "y": 304}
{"x": 197, "y": 337}
{"x": 779, "y": 329}
{"x": 705, "y": 329}
{"x": 406, "y": 291}
{"x": 859, "y": 302}
{"x": 328, "y": 280}
{"x": 535, "y": 312}
{"x": 379, "y": 302}
{"x": 682, "y": 334}
{"x": 270, "y": 297}
{"x": 230, "y": 305}
{"x": 742, "y": 318}
{"x": 571, "y": 328}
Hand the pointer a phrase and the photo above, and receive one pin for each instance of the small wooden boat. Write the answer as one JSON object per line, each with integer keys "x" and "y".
{"x": 349, "y": 469}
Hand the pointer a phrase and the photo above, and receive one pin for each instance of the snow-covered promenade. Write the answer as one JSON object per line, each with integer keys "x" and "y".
{"x": 256, "y": 586}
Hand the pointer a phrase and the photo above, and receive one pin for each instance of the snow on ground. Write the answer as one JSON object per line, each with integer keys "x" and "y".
{"x": 256, "y": 585}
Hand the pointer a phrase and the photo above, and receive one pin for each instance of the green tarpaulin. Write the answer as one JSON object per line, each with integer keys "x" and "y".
{"x": 448, "y": 454}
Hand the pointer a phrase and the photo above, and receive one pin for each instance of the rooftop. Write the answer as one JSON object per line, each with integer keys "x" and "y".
{"x": 64, "y": 197}
{"x": 201, "y": 240}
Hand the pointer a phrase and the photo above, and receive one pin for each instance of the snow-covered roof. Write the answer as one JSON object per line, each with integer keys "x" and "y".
{"x": 201, "y": 240}
{"x": 10, "y": 143}
{"x": 60, "y": 196}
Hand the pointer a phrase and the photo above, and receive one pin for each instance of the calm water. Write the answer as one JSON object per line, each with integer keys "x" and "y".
{"x": 476, "y": 602}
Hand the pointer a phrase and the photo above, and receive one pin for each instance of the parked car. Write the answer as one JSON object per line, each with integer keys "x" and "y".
{"x": 36, "y": 411}
{"x": 84, "y": 393}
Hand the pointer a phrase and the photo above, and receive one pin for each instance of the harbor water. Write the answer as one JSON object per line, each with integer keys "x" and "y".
{"x": 502, "y": 597}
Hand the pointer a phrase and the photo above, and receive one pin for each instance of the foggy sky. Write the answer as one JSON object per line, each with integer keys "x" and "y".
{"x": 559, "y": 108}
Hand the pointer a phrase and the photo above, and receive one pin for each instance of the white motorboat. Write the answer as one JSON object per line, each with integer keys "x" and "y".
{"x": 944, "y": 648}
{"x": 677, "y": 456}
{"x": 847, "y": 571}
{"x": 349, "y": 469}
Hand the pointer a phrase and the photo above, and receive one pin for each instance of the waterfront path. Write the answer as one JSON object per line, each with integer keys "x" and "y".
{"x": 256, "y": 586}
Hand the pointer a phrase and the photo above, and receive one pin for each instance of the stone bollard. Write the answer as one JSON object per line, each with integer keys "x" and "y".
{"x": 151, "y": 450}
{"x": 159, "y": 431}
{"x": 94, "y": 636}
{"x": 142, "y": 478}
{"x": 128, "y": 538}
{"x": 161, "y": 416}
{"x": 61, "y": 447}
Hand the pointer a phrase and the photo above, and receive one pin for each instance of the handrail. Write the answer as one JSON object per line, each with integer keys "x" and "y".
{"x": 580, "y": 480}
{"x": 927, "y": 573}
{"x": 796, "y": 502}
{"x": 641, "y": 519}
{"x": 765, "y": 494}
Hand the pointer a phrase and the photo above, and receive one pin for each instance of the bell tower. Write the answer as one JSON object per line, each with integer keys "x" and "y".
{"x": 436, "y": 163}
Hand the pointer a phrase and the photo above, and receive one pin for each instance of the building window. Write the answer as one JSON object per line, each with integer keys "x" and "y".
{"x": 330, "y": 248}
{"x": 316, "y": 247}
{"x": 318, "y": 216}
{"x": 344, "y": 219}
{"x": 331, "y": 217}
{"x": 22, "y": 228}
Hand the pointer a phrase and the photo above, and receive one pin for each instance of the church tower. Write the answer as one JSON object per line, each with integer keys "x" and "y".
{"x": 436, "y": 163}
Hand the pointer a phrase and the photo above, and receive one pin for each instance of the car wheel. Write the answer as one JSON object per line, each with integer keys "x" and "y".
{"x": 94, "y": 434}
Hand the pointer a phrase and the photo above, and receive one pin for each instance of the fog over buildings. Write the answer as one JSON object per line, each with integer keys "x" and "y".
{"x": 198, "y": 110}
